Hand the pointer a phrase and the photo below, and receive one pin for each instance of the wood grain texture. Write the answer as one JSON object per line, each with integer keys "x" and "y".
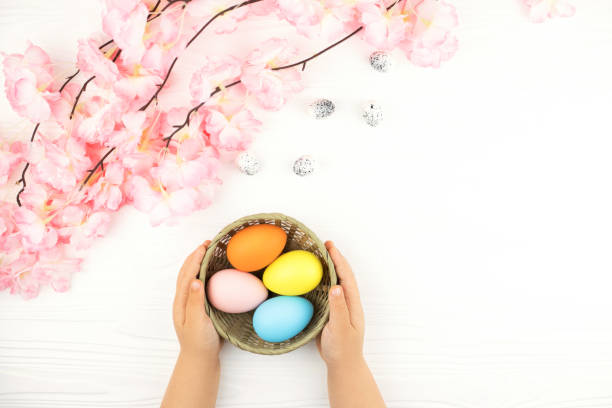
{"x": 477, "y": 218}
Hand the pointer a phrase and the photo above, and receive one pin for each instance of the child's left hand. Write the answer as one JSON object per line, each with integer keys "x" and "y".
{"x": 194, "y": 329}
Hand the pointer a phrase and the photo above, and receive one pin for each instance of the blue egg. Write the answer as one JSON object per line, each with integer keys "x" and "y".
{"x": 282, "y": 317}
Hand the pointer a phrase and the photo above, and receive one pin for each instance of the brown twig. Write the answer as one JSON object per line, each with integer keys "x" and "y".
{"x": 79, "y": 95}
{"x": 160, "y": 86}
{"x": 213, "y": 18}
{"x": 303, "y": 62}
{"x": 177, "y": 128}
{"x": 25, "y": 168}
{"x": 99, "y": 164}
{"x": 68, "y": 79}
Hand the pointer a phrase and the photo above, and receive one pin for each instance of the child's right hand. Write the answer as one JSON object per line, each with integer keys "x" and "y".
{"x": 341, "y": 341}
{"x": 194, "y": 329}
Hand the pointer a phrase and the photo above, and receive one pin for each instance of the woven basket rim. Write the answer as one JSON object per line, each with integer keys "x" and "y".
{"x": 315, "y": 330}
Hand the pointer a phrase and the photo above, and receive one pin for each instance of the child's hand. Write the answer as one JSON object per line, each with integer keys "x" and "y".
{"x": 341, "y": 341}
{"x": 194, "y": 329}
{"x": 195, "y": 380}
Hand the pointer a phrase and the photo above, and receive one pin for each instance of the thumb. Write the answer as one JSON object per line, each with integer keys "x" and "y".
{"x": 194, "y": 312}
{"x": 338, "y": 309}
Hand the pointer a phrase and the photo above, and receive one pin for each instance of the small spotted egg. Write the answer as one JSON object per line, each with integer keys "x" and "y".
{"x": 321, "y": 108}
{"x": 247, "y": 163}
{"x": 304, "y": 166}
{"x": 381, "y": 61}
{"x": 372, "y": 114}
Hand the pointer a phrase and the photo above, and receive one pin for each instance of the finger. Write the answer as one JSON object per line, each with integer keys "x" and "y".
{"x": 349, "y": 284}
{"x": 194, "y": 311}
{"x": 188, "y": 270}
{"x": 187, "y": 273}
{"x": 338, "y": 309}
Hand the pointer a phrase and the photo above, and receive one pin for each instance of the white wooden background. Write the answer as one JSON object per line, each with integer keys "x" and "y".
{"x": 478, "y": 220}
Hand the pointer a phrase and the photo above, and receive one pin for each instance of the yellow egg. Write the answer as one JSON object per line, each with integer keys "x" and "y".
{"x": 293, "y": 273}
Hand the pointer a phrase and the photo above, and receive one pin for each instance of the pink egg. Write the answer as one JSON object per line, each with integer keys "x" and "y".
{"x": 233, "y": 291}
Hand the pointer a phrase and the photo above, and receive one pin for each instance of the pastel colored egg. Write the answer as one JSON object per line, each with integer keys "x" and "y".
{"x": 293, "y": 273}
{"x": 233, "y": 291}
{"x": 282, "y": 317}
{"x": 255, "y": 247}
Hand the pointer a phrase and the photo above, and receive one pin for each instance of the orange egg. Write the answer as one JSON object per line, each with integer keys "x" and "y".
{"x": 255, "y": 247}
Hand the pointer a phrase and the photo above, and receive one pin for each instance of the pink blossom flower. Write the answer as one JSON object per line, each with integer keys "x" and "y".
{"x": 106, "y": 192}
{"x": 429, "y": 40}
{"x": 29, "y": 83}
{"x": 11, "y": 155}
{"x": 97, "y": 118}
{"x": 137, "y": 88}
{"x": 124, "y": 21}
{"x": 62, "y": 168}
{"x": 34, "y": 229}
{"x": 215, "y": 72}
{"x": 205, "y": 9}
{"x": 17, "y": 276}
{"x": 177, "y": 171}
{"x": 76, "y": 226}
{"x": 91, "y": 61}
{"x": 161, "y": 204}
{"x": 271, "y": 87}
{"x": 303, "y": 14}
{"x": 57, "y": 267}
{"x": 231, "y": 133}
{"x": 383, "y": 29}
{"x": 539, "y": 10}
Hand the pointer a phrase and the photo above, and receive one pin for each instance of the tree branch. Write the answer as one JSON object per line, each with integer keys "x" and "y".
{"x": 219, "y": 14}
{"x": 303, "y": 62}
{"x": 22, "y": 179}
{"x": 213, "y": 18}
{"x": 160, "y": 86}
{"x": 79, "y": 95}
{"x": 68, "y": 79}
{"x": 99, "y": 164}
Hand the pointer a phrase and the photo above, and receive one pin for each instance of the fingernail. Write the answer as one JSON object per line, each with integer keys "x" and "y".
{"x": 337, "y": 291}
{"x": 195, "y": 285}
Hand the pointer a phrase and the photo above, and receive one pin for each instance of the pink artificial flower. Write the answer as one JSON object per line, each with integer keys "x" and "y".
{"x": 203, "y": 10}
{"x": 35, "y": 231}
{"x": 137, "y": 88}
{"x": 129, "y": 130}
{"x": 97, "y": 117}
{"x": 305, "y": 15}
{"x": 29, "y": 85}
{"x": 263, "y": 8}
{"x": 161, "y": 204}
{"x": 539, "y": 10}
{"x": 11, "y": 155}
{"x": 57, "y": 267}
{"x": 76, "y": 226}
{"x": 106, "y": 192}
{"x": 17, "y": 275}
{"x": 175, "y": 172}
{"x": 231, "y": 133}
{"x": 214, "y": 73}
{"x": 62, "y": 168}
{"x": 91, "y": 61}
{"x": 125, "y": 21}
{"x": 138, "y": 151}
{"x": 383, "y": 29}
{"x": 60, "y": 111}
{"x": 429, "y": 40}
{"x": 271, "y": 87}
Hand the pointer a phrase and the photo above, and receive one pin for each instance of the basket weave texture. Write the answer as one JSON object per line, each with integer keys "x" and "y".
{"x": 237, "y": 328}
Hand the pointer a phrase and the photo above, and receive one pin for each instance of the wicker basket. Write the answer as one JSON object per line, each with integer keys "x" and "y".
{"x": 237, "y": 328}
